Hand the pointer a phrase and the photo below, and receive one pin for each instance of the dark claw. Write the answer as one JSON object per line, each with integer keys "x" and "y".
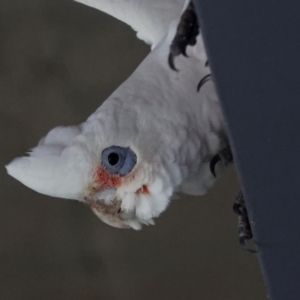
{"x": 186, "y": 34}
{"x": 183, "y": 52}
{"x": 203, "y": 81}
{"x": 224, "y": 155}
{"x": 171, "y": 62}
{"x": 213, "y": 164}
{"x": 206, "y": 63}
{"x": 242, "y": 241}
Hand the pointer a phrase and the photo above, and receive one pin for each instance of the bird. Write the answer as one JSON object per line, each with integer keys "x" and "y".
{"x": 152, "y": 138}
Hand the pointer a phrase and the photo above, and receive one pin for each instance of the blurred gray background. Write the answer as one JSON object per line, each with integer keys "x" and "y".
{"x": 59, "y": 60}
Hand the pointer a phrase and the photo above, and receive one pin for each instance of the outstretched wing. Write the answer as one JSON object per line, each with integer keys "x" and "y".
{"x": 150, "y": 18}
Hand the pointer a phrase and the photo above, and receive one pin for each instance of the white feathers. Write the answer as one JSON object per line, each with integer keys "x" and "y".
{"x": 61, "y": 136}
{"x": 157, "y": 113}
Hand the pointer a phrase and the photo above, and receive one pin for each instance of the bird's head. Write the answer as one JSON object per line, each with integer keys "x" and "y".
{"x": 117, "y": 180}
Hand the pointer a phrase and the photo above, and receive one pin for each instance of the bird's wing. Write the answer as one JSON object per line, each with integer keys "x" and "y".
{"x": 150, "y": 18}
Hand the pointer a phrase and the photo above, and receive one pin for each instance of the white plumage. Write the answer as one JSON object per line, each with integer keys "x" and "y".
{"x": 170, "y": 130}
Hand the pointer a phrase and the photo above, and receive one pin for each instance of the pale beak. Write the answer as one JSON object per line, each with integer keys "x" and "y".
{"x": 111, "y": 220}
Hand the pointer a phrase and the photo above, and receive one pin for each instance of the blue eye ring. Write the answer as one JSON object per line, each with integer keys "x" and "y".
{"x": 118, "y": 160}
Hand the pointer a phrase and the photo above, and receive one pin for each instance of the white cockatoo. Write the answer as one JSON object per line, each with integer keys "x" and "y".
{"x": 152, "y": 137}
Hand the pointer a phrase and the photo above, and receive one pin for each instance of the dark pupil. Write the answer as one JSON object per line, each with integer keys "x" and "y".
{"x": 113, "y": 158}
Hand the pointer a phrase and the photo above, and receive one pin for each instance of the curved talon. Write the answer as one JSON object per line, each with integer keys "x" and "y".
{"x": 186, "y": 34}
{"x": 171, "y": 62}
{"x": 203, "y": 81}
{"x": 183, "y": 52}
{"x": 242, "y": 242}
{"x": 213, "y": 163}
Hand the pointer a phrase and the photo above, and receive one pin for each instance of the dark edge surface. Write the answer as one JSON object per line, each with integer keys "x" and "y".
{"x": 254, "y": 52}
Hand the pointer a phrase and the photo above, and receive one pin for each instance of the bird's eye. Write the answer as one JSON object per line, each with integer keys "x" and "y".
{"x": 113, "y": 158}
{"x": 118, "y": 160}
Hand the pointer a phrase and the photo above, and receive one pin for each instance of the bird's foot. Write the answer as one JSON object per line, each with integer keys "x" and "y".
{"x": 224, "y": 155}
{"x": 244, "y": 228}
{"x": 186, "y": 34}
{"x": 239, "y": 207}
